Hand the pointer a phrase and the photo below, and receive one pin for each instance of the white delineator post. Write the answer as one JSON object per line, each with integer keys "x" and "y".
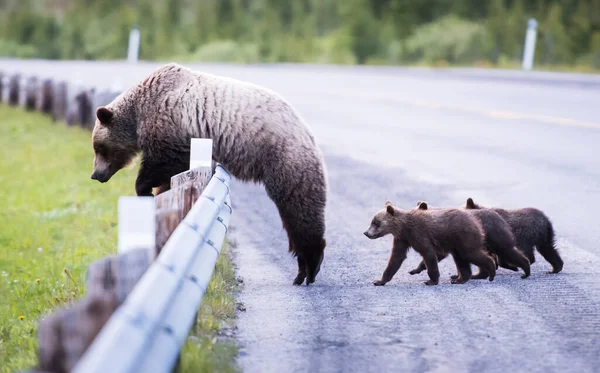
{"x": 137, "y": 224}
{"x": 529, "y": 50}
{"x": 134, "y": 45}
{"x": 201, "y": 153}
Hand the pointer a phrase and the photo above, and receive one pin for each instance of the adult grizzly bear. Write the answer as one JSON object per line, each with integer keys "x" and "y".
{"x": 257, "y": 136}
{"x": 432, "y": 233}
{"x": 531, "y": 227}
{"x": 499, "y": 241}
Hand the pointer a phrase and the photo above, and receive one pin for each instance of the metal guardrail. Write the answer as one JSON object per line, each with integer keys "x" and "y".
{"x": 139, "y": 308}
{"x": 148, "y": 330}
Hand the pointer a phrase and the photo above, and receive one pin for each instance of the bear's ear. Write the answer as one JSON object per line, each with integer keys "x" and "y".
{"x": 470, "y": 203}
{"x": 104, "y": 115}
{"x": 390, "y": 209}
{"x": 423, "y": 206}
{"x": 388, "y": 203}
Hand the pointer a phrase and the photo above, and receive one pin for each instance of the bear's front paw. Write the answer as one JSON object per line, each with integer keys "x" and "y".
{"x": 415, "y": 271}
{"x": 458, "y": 281}
{"x": 378, "y": 283}
{"x": 453, "y": 277}
{"x": 430, "y": 282}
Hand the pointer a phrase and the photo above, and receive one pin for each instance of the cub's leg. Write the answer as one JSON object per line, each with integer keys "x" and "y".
{"x": 431, "y": 260}
{"x": 398, "y": 255}
{"x": 504, "y": 264}
{"x": 481, "y": 260}
{"x": 549, "y": 252}
{"x": 421, "y": 267}
{"x": 527, "y": 249}
{"x": 481, "y": 274}
{"x": 513, "y": 255}
{"x": 463, "y": 267}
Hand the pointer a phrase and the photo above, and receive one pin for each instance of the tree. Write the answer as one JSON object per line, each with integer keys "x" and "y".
{"x": 580, "y": 27}
{"x": 556, "y": 40}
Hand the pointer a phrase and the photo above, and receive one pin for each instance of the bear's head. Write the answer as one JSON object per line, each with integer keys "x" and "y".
{"x": 115, "y": 142}
{"x": 471, "y": 205}
{"x": 384, "y": 222}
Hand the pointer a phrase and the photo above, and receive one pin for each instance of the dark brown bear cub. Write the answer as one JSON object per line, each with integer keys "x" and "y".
{"x": 499, "y": 242}
{"x": 531, "y": 227}
{"x": 432, "y": 233}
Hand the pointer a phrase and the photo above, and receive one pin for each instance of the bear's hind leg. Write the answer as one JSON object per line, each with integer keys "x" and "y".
{"x": 504, "y": 264}
{"x": 463, "y": 267}
{"x": 418, "y": 269}
{"x": 482, "y": 260}
{"x": 301, "y": 270}
{"x": 481, "y": 274}
{"x": 513, "y": 255}
{"x": 548, "y": 250}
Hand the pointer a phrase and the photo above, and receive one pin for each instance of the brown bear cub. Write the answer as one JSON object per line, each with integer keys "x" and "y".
{"x": 432, "y": 233}
{"x": 257, "y": 137}
{"x": 499, "y": 242}
{"x": 531, "y": 227}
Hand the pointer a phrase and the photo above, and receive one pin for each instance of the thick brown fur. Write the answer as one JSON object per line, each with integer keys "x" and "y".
{"x": 257, "y": 136}
{"x": 432, "y": 233}
{"x": 531, "y": 228}
{"x": 499, "y": 240}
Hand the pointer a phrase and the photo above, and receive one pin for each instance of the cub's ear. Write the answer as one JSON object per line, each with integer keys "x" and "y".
{"x": 423, "y": 206}
{"x": 390, "y": 209}
{"x": 104, "y": 115}
{"x": 470, "y": 203}
{"x": 388, "y": 203}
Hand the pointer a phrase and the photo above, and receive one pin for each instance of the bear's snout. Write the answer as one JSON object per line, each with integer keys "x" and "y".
{"x": 100, "y": 176}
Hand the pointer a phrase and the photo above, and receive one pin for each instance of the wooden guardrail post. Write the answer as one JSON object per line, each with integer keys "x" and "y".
{"x": 2, "y": 86}
{"x": 59, "y": 101}
{"x": 13, "y": 89}
{"x": 30, "y": 92}
{"x": 79, "y": 108}
{"x": 45, "y": 97}
{"x": 174, "y": 204}
{"x": 144, "y": 228}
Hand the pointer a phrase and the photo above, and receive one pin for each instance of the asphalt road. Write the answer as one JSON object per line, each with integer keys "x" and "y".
{"x": 504, "y": 138}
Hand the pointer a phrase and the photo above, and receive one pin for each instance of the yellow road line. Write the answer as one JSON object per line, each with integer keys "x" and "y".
{"x": 498, "y": 114}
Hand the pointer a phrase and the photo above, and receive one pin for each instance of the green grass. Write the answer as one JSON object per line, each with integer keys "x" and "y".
{"x": 54, "y": 221}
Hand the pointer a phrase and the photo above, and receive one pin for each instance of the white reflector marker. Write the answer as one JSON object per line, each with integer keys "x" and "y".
{"x": 137, "y": 224}
{"x": 201, "y": 153}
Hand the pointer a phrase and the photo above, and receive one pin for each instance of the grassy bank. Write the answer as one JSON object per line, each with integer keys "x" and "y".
{"x": 54, "y": 222}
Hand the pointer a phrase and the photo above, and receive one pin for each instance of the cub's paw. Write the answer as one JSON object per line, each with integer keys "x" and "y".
{"x": 524, "y": 275}
{"x": 458, "y": 281}
{"x": 415, "y": 271}
{"x": 378, "y": 283}
{"x": 453, "y": 277}
{"x": 431, "y": 282}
